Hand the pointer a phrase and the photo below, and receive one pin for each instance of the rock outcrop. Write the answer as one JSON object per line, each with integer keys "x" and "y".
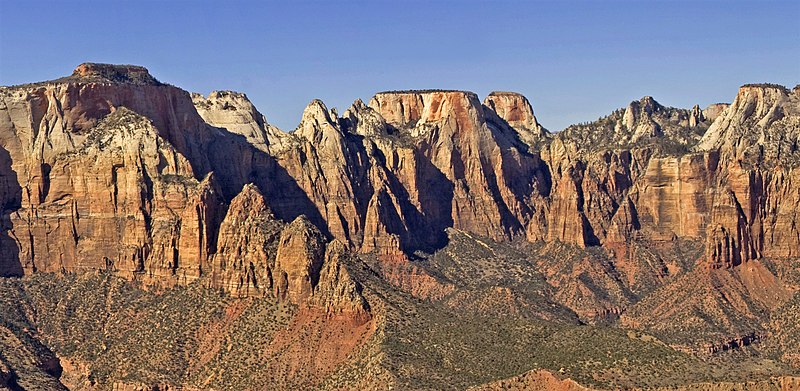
{"x": 258, "y": 255}
{"x": 125, "y": 200}
{"x": 760, "y": 127}
{"x": 301, "y": 250}
{"x": 473, "y": 168}
{"x": 337, "y": 289}
{"x": 234, "y": 112}
{"x": 246, "y": 246}
{"x": 516, "y": 110}
{"x": 110, "y": 169}
{"x": 131, "y": 74}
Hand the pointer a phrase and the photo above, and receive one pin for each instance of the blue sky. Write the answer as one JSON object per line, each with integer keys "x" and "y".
{"x": 575, "y": 61}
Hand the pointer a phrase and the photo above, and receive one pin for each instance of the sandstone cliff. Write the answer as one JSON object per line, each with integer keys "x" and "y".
{"x": 235, "y": 113}
{"x": 247, "y": 246}
{"x": 385, "y": 178}
{"x": 110, "y": 169}
{"x": 431, "y": 193}
{"x": 516, "y": 110}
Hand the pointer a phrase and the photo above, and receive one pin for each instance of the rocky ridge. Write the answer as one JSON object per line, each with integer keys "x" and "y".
{"x": 492, "y": 183}
{"x": 110, "y": 170}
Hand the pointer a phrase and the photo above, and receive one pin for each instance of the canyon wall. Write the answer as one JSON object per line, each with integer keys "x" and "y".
{"x": 110, "y": 169}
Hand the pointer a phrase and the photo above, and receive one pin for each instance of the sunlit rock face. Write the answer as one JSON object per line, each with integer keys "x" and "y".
{"x": 353, "y": 232}
{"x": 110, "y": 169}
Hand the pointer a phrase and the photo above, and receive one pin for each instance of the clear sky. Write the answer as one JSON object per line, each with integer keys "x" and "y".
{"x": 575, "y": 61}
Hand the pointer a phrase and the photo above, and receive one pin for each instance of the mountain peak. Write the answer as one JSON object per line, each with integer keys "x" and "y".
{"x": 516, "y": 110}
{"x": 316, "y": 111}
{"x": 362, "y": 119}
{"x": 754, "y": 109}
{"x": 638, "y": 117}
{"x": 647, "y": 104}
{"x": 423, "y": 92}
{"x": 405, "y": 109}
{"x": 127, "y": 74}
{"x": 765, "y": 86}
{"x": 317, "y": 121}
{"x": 513, "y": 107}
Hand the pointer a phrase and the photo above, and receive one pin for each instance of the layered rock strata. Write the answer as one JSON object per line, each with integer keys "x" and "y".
{"x": 111, "y": 169}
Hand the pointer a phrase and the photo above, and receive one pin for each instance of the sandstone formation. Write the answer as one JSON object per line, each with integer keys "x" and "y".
{"x": 713, "y": 111}
{"x": 233, "y": 111}
{"x": 298, "y": 260}
{"x": 111, "y": 170}
{"x": 515, "y": 110}
{"x": 483, "y": 180}
{"x": 248, "y": 238}
{"x": 107, "y": 170}
{"x": 384, "y": 178}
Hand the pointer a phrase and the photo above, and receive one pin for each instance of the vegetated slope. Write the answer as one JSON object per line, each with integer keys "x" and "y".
{"x": 452, "y": 343}
{"x": 106, "y": 330}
